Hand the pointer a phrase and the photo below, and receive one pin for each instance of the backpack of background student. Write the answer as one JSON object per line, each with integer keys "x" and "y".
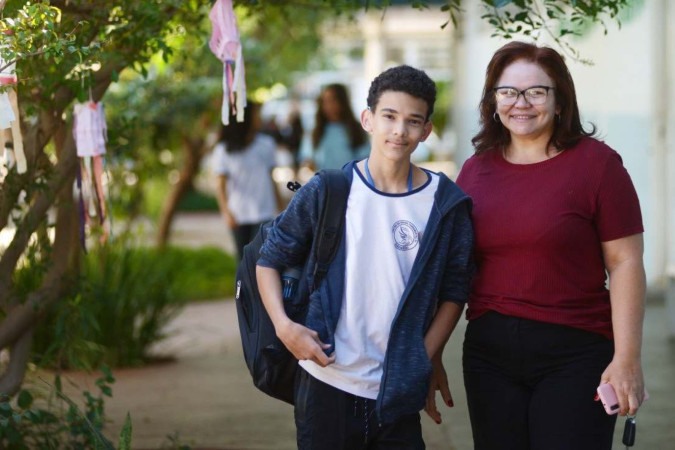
{"x": 271, "y": 365}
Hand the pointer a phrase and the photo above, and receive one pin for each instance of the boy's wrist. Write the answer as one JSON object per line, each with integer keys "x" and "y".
{"x": 282, "y": 325}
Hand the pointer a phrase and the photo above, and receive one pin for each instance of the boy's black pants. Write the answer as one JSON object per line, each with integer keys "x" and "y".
{"x": 327, "y": 418}
{"x": 531, "y": 385}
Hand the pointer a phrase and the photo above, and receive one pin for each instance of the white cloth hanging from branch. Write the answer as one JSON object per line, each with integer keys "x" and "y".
{"x": 90, "y": 129}
{"x": 9, "y": 114}
{"x": 6, "y": 112}
{"x": 90, "y": 133}
{"x": 225, "y": 44}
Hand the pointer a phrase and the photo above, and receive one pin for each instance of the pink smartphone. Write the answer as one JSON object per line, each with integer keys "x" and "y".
{"x": 608, "y": 398}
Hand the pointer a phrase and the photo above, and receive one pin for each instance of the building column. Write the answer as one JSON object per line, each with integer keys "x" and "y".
{"x": 666, "y": 39}
{"x": 374, "y": 51}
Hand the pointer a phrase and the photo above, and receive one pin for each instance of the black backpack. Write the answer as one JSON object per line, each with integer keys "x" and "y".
{"x": 271, "y": 365}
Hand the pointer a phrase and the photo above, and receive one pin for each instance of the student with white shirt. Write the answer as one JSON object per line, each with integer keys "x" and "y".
{"x": 377, "y": 324}
{"x": 243, "y": 161}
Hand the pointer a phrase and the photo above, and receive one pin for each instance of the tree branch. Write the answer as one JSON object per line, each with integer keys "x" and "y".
{"x": 12, "y": 378}
{"x": 27, "y": 55}
{"x": 62, "y": 177}
{"x": 23, "y": 316}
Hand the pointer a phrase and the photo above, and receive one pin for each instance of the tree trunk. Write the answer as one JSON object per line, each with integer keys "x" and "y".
{"x": 194, "y": 150}
{"x": 16, "y": 329}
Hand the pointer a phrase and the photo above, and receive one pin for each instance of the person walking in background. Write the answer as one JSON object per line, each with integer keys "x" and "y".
{"x": 394, "y": 292}
{"x": 243, "y": 160}
{"x": 554, "y": 212}
{"x": 337, "y": 137}
{"x": 291, "y": 135}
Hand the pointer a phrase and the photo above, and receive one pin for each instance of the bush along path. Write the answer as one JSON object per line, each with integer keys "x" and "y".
{"x": 43, "y": 416}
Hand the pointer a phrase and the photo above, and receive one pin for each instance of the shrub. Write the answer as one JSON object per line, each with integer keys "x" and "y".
{"x": 117, "y": 309}
{"x": 59, "y": 423}
{"x": 122, "y": 301}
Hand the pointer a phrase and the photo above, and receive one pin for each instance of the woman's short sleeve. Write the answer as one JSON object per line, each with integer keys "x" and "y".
{"x": 618, "y": 207}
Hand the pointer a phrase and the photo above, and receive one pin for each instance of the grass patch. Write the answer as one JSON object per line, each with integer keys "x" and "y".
{"x": 205, "y": 273}
{"x": 157, "y": 189}
{"x": 194, "y": 200}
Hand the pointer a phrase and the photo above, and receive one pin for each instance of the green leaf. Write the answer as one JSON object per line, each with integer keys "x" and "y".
{"x": 25, "y": 399}
{"x": 125, "y": 434}
{"x": 107, "y": 374}
{"x": 521, "y": 16}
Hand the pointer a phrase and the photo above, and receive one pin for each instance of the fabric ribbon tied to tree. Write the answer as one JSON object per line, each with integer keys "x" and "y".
{"x": 9, "y": 116}
{"x": 90, "y": 133}
{"x": 225, "y": 44}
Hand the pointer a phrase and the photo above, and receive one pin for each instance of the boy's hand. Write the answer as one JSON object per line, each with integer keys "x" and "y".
{"x": 439, "y": 382}
{"x": 304, "y": 343}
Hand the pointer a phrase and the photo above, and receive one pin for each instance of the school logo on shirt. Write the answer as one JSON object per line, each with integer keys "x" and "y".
{"x": 406, "y": 236}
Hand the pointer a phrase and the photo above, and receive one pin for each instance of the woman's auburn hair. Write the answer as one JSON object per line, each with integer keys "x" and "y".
{"x": 567, "y": 129}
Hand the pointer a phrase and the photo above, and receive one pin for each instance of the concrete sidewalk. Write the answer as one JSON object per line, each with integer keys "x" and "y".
{"x": 205, "y": 397}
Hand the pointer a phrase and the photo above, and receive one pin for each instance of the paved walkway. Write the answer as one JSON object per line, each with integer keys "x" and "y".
{"x": 205, "y": 397}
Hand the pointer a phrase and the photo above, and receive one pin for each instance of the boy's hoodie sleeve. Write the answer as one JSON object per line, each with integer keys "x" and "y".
{"x": 459, "y": 269}
{"x": 289, "y": 240}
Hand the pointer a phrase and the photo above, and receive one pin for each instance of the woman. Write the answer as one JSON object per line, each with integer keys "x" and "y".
{"x": 337, "y": 137}
{"x": 554, "y": 212}
{"x": 243, "y": 160}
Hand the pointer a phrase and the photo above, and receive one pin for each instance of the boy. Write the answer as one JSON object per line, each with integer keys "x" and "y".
{"x": 394, "y": 291}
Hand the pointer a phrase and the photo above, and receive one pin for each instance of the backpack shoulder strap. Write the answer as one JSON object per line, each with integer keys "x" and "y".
{"x": 331, "y": 220}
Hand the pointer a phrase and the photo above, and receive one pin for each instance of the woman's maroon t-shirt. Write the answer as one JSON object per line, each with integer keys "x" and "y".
{"x": 538, "y": 233}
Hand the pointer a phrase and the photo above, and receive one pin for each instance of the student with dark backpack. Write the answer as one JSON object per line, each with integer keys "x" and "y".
{"x": 377, "y": 322}
{"x": 271, "y": 365}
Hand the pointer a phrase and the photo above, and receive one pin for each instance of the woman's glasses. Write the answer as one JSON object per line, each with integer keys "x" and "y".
{"x": 534, "y": 95}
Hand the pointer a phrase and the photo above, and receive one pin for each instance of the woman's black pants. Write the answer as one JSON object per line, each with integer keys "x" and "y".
{"x": 531, "y": 385}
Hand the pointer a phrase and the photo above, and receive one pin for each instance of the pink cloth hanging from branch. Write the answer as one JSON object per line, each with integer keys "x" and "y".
{"x": 225, "y": 44}
{"x": 90, "y": 133}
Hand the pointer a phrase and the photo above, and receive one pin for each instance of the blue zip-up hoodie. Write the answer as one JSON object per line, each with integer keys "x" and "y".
{"x": 441, "y": 272}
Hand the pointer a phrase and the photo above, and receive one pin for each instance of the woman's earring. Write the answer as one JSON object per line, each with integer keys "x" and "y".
{"x": 495, "y": 116}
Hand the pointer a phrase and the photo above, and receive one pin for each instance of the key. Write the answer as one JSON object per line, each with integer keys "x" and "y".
{"x": 629, "y": 432}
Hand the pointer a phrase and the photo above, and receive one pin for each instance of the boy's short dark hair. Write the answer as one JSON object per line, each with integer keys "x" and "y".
{"x": 406, "y": 79}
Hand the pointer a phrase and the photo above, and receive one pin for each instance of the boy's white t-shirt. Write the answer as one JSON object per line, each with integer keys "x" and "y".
{"x": 250, "y": 189}
{"x": 383, "y": 235}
